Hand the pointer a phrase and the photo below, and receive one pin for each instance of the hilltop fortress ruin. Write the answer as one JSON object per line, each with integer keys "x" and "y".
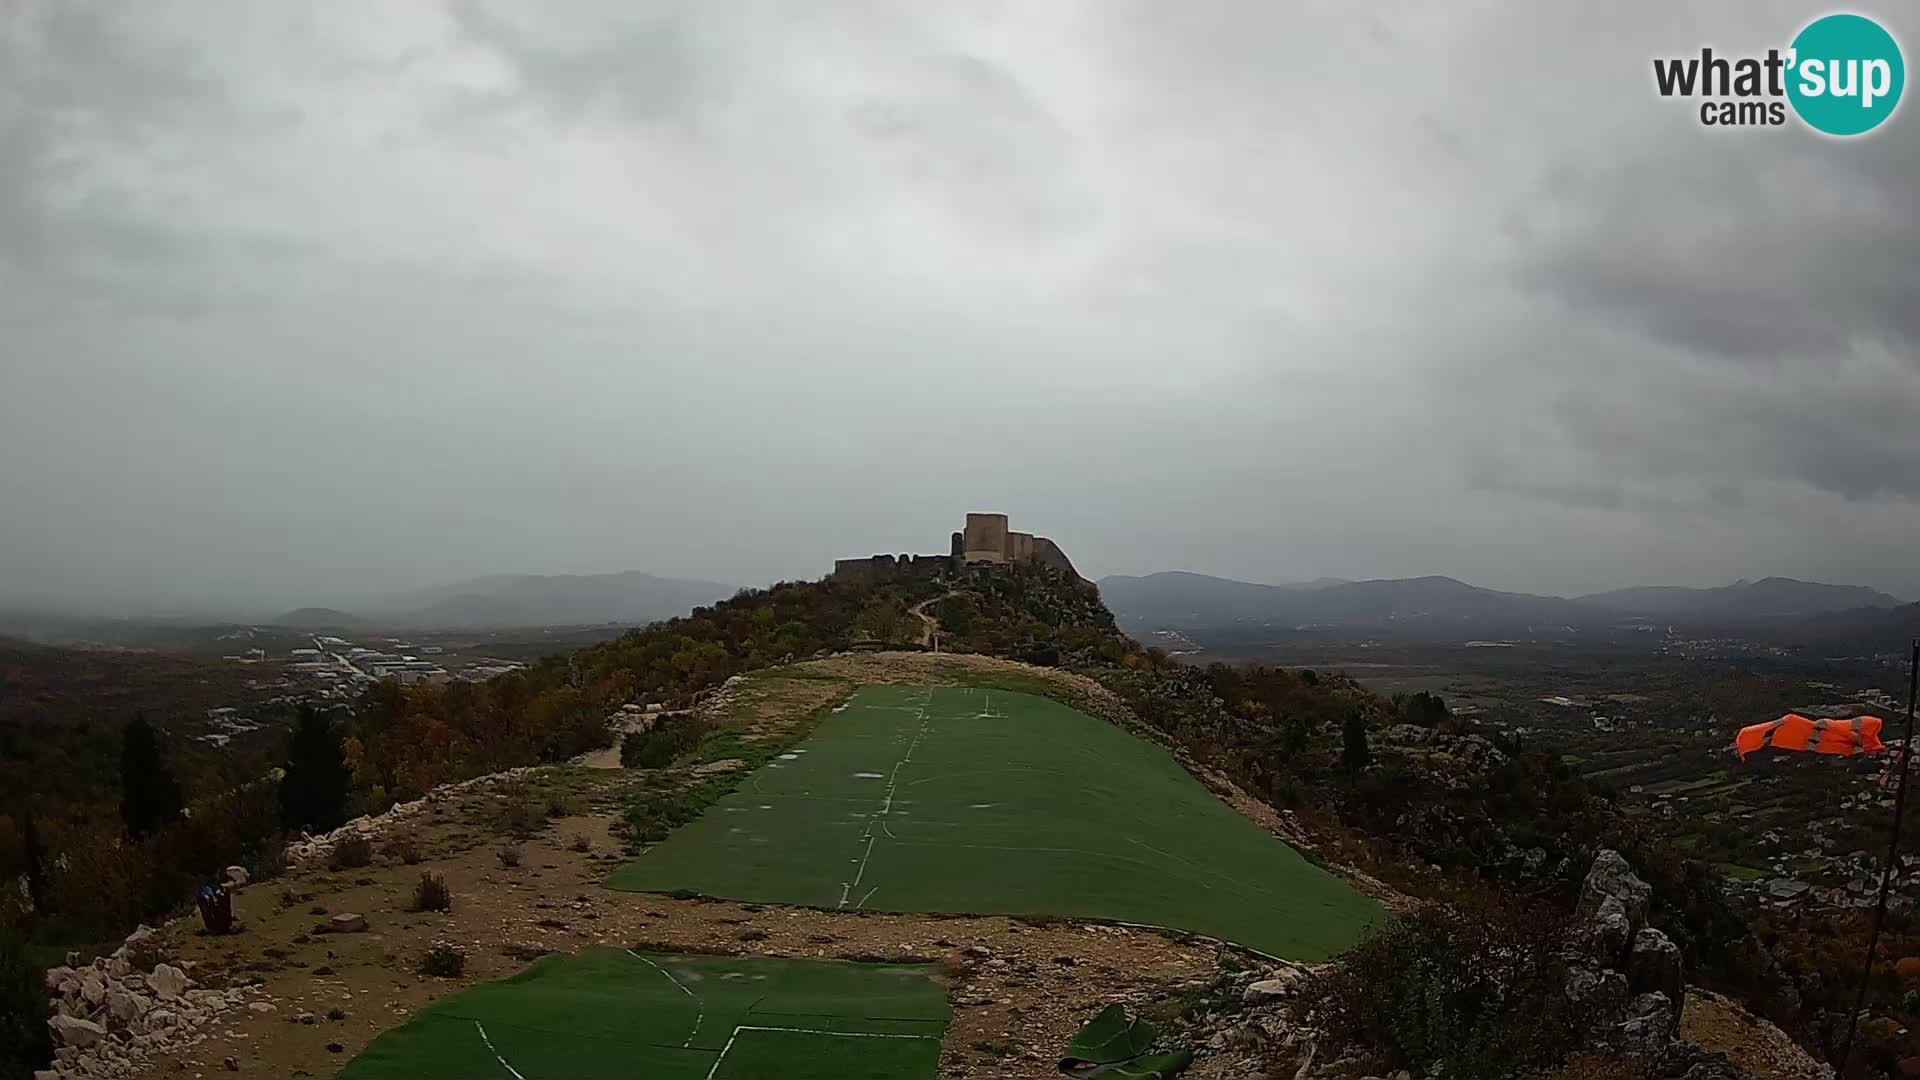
{"x": 985, "y": 542}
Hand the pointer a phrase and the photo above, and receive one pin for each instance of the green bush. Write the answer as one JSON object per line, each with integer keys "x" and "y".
{"x": 1470, "y": 996}
{"x": 432, "y": 894}
{"x": 24, "y": 1044}
{"x": 661, "y": 746}
{"x": 443, "y": 962}
{"x": 654, "y": 814}
{"x": 520, "y": 813}
{"x": 352, "y": 853}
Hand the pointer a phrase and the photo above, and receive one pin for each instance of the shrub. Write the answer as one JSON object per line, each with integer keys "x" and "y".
{"x": 558, "y": 805}
{"x": 509, "y": 856}
{"x": 443, "y": 961}
{"x": 518, "y": 813}
{"x": 405, "y": 848}
{"x": 581, "y": 842}
{"x": 652, "y": 815}
{"x": 24, "y": 1044}
{"x": 1472, "y": 996}
{"x": 104, "y": 885}
{"x": 351, "y": 853}
{"x": 432, "y": 894}
{"x": 659, "y": 747}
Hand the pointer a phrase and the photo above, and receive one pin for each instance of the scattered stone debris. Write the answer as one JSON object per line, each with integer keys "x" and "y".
{"x": 109, "y": 1019}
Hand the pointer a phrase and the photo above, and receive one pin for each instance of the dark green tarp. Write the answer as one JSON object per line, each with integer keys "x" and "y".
{"x": 1113, "y": 1047}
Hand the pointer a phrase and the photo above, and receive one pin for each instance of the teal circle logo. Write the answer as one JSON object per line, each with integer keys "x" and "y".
{"x": 1846, "y": 74}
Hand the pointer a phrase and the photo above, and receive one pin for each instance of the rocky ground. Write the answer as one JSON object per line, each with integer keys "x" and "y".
{"x": 328, "y": 954}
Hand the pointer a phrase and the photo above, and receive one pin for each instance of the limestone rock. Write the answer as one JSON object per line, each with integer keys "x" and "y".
{"x": 73, "y": 1031}
{"x": 262, "y": 1007}
{"x": 1268, "y": 989}
{"x": 168, "y": 982}
{"x": 1596, "y": 992}
{"x": 1686, "y": 1060}
{"x": 1607, "y": 932}
{"x": 1655, "y": 965}
{"x": 93, "y": 988}
{"x": 1651, "y": 1023}
{"x": 56, "y": 979}
{"x": 1612, "y": 876}
{"x": 235, "y": 876}
{"x": 125, "y": 1007}
{"x": 347, "y": 923}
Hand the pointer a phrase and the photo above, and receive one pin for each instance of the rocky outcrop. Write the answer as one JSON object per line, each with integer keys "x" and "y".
{"x": 1611, "y": 885}
{"x": 1654, "y": 965}
{"x": 108, "y": 1019}
{"x": 1626, "y": 974}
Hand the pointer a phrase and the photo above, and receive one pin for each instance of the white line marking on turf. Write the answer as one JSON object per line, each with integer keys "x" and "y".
{"x": 863, "y": 861}
{"x": 699, "y": 1019}
{"x": 869, "y": 896}
{"x": 886, "y": 807}
{"x": 803, "y": 1031}
{"x": 496, "y": 1053}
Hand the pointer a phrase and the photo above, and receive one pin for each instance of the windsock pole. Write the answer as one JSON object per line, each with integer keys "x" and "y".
{"x": 1887, "y": 872}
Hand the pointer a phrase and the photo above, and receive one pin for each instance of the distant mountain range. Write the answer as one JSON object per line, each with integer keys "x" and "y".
{"x": 1442, "y": 606}
{"x": 1766, "y": 598}
{"x": 517, "y": 600}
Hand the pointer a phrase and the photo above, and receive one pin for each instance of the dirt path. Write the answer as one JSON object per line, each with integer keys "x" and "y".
{"x": 929, "y": 625}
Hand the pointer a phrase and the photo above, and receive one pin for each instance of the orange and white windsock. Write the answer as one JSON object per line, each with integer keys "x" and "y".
{"x": 1853, "y": 735}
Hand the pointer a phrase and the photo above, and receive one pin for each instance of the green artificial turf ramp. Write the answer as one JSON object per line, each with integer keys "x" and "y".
{"x": 612, "y": 1014}
{"x": 950, "y": 799}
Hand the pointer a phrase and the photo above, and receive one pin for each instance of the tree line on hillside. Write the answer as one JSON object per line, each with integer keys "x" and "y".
{"x": 103, "y": 867}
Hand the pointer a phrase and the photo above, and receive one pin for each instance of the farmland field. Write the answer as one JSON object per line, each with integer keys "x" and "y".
{"x": 966, "y": 800}
{"x": 613, "y": 1014}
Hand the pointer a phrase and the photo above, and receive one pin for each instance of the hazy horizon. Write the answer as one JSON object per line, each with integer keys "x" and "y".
{"x": 306, "y": 306}
{"x": 390, "y": 604}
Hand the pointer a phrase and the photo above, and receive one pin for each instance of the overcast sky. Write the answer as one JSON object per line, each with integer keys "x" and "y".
{"x": 301, "y": 302}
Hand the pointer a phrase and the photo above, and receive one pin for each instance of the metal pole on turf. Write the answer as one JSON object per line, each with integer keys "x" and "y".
{"x": 1887, "y": 872}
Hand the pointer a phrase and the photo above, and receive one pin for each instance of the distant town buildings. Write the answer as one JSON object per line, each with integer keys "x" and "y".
{"x": 345, "y": 669}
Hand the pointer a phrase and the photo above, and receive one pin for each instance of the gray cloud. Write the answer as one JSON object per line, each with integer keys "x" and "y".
{"x": 304, "y": 305}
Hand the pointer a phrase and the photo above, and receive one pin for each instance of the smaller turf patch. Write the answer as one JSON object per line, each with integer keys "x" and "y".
{"x": 612, "y": 1014}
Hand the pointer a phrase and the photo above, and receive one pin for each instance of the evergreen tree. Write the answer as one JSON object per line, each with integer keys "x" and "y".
{"x": 25, "y": 1044}
{"x": 313, "y": 794}
{"x": 1354, "y": 754}
{"x": 149, "y": 795}
{"x": 34, "y": 854}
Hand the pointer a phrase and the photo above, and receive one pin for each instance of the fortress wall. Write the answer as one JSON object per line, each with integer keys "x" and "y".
{"x": 1046, "y": 551}
{"x": 1019, "y": 546}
